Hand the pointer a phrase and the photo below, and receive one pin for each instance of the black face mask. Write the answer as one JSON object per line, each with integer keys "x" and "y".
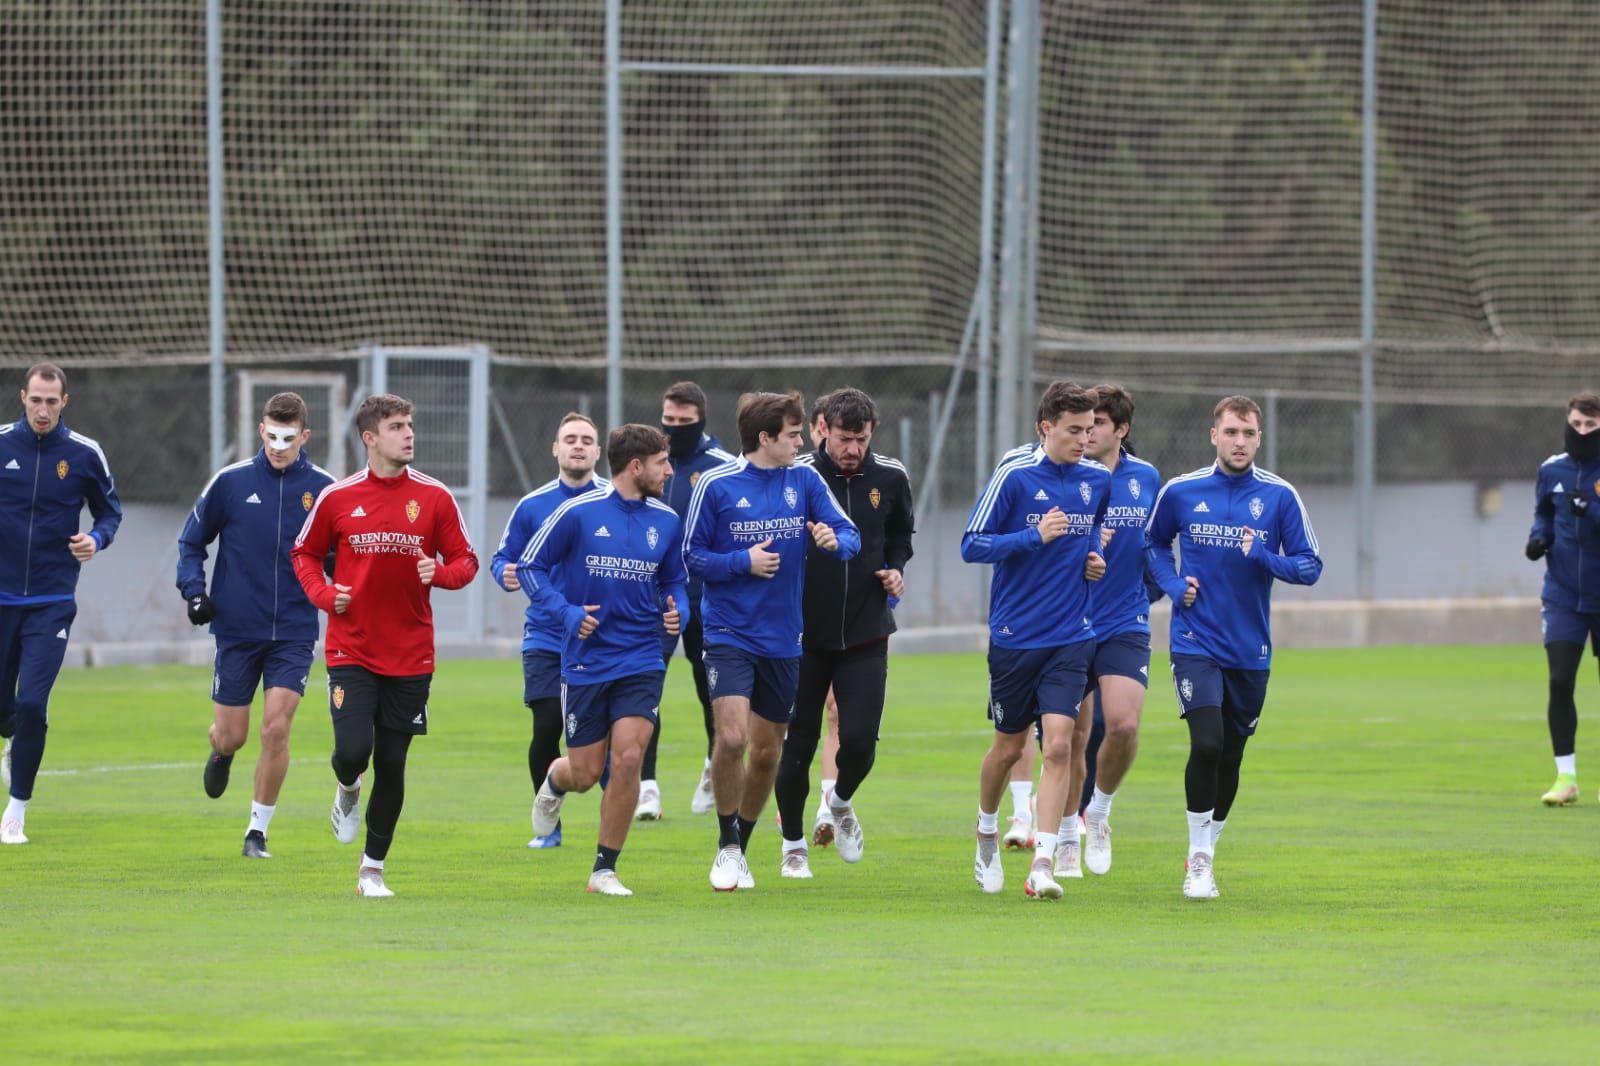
{"x": 683, "y": 440}
{"x": 1582, "y": 446}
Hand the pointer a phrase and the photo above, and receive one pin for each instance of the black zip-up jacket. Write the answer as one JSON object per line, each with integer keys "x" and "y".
{"x": 845, "y": 603}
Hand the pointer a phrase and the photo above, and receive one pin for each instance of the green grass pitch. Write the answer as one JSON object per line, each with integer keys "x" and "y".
{"x": 1391, "y": 892}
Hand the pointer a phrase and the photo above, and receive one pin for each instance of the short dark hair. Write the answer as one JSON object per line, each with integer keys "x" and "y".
{"x": 633, "y": 441}
{"x": 1061, "y": 397}
{"x": 1583, "y": 402}
{"x": 688, "y": 394}
{"x": 851, "y": 410}
{"x": 767, "y": 412}
{"x": 48, "y": 371}
{"x": 1243, "y": 406}
{"x": 1116, "y": 402}
{"x": 576, "y": 416}
{"x": 819, "y": 406}
{"x": 286, "y": 409}
{"x": 374, "y": 409}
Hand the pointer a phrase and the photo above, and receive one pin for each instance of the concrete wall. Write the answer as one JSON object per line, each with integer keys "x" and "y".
{"x": 1436, "y": 542}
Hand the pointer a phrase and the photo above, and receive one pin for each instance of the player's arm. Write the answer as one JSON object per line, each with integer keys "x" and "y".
{"x": 982, "y": 542}
{"x": 672, "y": 579}
{"x": 199, "y": 530}
{"x": 310, "y": 552}
{"x": 1543, "y": 533}
{"x": 898, "y": 528}
{"x": 822, "y": 507}
{"x": 104, "y": 505}
{"x": 1299, "y": 563}
{"x": 513, "y": 542}
{"x": 454, "y": 546}
{"x": 700, "y": 558}
{"x": 534, "y": 570}
{"x": 1159, "y": 532}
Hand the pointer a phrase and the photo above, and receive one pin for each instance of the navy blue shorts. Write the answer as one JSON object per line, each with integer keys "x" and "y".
{"x": 589, "y": 710}
{"x": 1124, "y": 655}
{"x": 541, "y": 675}
{"x": 1558, "y": 624}
{"x": 769, "y": 684}
{"x": 1241, "y": 694}
{"x": 1025, "y": 683}
{"x": 243, "y": 665}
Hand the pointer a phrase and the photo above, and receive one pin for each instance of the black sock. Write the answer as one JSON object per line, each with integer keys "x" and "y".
{"x": 728, "y": 829}
{"x": 745, "y": 829}
{"x": 606, "y": 858}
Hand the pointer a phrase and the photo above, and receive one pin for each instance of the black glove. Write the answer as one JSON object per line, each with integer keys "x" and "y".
{"x": 1535, "y": 549}
{"x": 201, "y": 609}
{"x": 1578, "y": 503}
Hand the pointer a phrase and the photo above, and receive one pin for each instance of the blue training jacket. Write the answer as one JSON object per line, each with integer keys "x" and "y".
{"x": 1120, "y": 601}
{"x": 686, "y": 473}
{"x": 624, "y": 555}
{"x": 739, "y": 505}
{"x": 1039, "y": 597}
{"x": 1572, "y": 563}
{"x": 258, "y": 511}
{"x": 539, "y": 631}
{"x": 44, "y": 484}
{"x": 1207, "y": 512}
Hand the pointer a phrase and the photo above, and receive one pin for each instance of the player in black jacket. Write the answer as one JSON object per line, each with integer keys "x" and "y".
{"x": 849, "y": 614}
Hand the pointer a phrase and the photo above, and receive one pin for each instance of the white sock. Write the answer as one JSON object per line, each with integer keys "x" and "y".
{"x": 825, "y": 786}
{"x": 1200, "y": 833}
{"x": 1044, "y": 847}
{"x": 837, "y": 805}
{"x": 1567, "y": 764}
{"x": 988, "y": 821}
{"x": 1100, "y": 805}
{"x": 261, "y": 817}
{"x": 650, "y": 782}
{"x": 368, "y": 862}
{"x": 352, "y": 789}
{"x": 794, "y": 845}
{"x": 1021, "y": 792}
{"x": 1069, "y": 830}
{"x": 1216, "y": 831}
{"x": 16, "y": 810}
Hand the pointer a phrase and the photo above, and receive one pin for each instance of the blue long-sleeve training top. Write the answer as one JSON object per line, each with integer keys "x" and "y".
{"x": 735, "y": 507}
{"x": 539, "y": 631}
{"x": 44, "y": 484}
{"x": 257, "y": 510}
{"x": 686, "y": 473}
{"x": 1207, "y": 512}
{"x": 1039, "y": 597}
{"x": 626, "y": 556}
{"x": 1572, "y": 561}
{"x": 1120, "y": 601}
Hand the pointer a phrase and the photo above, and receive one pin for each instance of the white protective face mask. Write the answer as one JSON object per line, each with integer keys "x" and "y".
{"x": 281, "y": 438}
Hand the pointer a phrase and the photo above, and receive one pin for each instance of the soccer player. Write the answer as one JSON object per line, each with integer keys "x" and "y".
{"x": 388, "y": 526}
{"x": 745, "y": 537}
{"x": 1238, "y": 528}
{"x": 1039, "y": 522}
{"x": 822, "y": 827}
{"x": 576, "y": 450}
{"x": 47, "y": 474}
{"x": 1566, "y": 534}
{"x": 1120, "y": 608}
{"x": 693, "y": 452}
{"x": 264, "y": 626}
{"x": 619, "y": 553}
{"x": 848, "y": 619}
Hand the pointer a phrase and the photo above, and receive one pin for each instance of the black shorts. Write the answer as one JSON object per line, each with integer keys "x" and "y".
{"x": 1241, "y": 694}
{"x": 399, "y": 704}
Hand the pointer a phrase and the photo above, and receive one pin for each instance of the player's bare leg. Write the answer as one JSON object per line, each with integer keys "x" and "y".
{"x": 230, "y": 730}
{"x": 732, "y": 722}
{"x": 1055, "y": 775}
{"x": 993, "y": 776}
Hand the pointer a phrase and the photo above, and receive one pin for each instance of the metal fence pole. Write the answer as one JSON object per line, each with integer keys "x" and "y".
{"x": 1007, "y": 386}
{"x": 214, "y": 208}
{"x": 985, "y": 302}
{"x": 613, "y": 213}
{"x": 1367, "y": 437}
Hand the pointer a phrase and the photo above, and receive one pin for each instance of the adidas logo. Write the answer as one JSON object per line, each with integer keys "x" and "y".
{"x": 358, "y": 513}
{"x": 742, "y": 502}
{"x": 1559, "y": 487}
{"x": 252, "y": 498}
{"x": 1201, "y": 508}
{"x": 12, "y": 465}
{"x": 63, "y": 634}
{"x": 1145, "y": 670}
{"x": 1041, "y": 495}
{"x": 602, "y": 532}
{"x": 1006, "y": 630}
{"x": 417, "y": 720}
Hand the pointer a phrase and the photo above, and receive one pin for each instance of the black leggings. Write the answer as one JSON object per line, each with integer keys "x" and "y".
{"x": 545, "y": 747}
{"x": 356, "y": 741}
{"x": 858, "y": 677}
{"x": 1565, "y": 657}
{"x": 693, "y": 649}
{"x": 1211, "y": 780}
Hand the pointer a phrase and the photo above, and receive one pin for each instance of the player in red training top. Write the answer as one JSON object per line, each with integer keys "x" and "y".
{"x": 387, "y": 526}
